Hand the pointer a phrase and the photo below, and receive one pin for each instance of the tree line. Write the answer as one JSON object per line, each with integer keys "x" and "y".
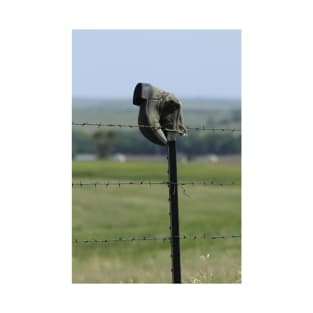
{"x": 103, "y": 143}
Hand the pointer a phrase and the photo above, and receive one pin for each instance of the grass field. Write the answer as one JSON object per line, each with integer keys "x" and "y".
{"x": 137, "y": 211}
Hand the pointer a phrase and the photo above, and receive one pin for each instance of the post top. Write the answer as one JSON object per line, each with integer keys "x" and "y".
{"x": 171, "y": 136}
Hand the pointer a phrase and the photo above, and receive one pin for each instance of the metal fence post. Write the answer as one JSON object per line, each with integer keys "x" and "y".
{"x": 173, "y": 198}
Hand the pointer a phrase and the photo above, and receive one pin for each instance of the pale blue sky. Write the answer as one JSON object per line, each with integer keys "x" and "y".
{"x": 189, "y": 63}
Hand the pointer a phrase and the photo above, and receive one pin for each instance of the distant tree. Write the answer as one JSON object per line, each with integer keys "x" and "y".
{"x": 236, "y": 116}
{"x": 82, "y": 142}
{"x": 104, "y": 141}
{"x": 74, "y": 151}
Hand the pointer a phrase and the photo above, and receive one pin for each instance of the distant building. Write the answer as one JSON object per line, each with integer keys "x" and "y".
{"x": 119, "y": 157}
{"x": 213, "y": 158}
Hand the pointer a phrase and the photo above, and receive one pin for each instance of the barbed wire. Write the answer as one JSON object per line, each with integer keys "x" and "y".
{"x": 148, "y": 238}
{"x": 151, "y": 183}
{"x": 200, "y": 128}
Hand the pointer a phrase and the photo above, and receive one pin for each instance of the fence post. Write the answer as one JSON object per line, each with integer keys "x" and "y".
{"x": 173, "y": 198}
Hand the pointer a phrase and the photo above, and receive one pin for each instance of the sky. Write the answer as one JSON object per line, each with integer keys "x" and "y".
{"x": 189, "y": 63}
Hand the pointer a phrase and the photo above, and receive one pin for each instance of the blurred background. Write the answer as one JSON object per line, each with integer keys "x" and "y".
{"x": 203, "y": 69}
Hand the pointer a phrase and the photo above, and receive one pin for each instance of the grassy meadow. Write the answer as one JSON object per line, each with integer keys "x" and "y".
{"x": 136, "y": 211}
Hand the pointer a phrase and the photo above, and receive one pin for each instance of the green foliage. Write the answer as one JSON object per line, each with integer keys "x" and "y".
{"x": 82, "y": 142}
{"x": 104, "y": 143}
{"x": 133, "y": 142}
{"x": 205, "y": 143}
{"x": 197, "y": 112}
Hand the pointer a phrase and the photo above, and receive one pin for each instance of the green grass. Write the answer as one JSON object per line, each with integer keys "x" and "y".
{"x": 131, "y": 211}
{"x": 146, "y": 171}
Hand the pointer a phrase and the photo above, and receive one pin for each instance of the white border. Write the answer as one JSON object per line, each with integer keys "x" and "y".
{"x": 36, "y": 94}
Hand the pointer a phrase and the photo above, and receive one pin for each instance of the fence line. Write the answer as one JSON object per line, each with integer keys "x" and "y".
{"x": 175, "y": 237}
{"x": 147, "y": 238}
{"x": 200, "y": 128}
{"x": 151, "y": 183}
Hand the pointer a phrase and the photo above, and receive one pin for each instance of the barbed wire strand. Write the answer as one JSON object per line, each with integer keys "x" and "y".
{"x": 200, "y": 128}
{"x": 151, "y": 183}
{"x": 148, "y": 238}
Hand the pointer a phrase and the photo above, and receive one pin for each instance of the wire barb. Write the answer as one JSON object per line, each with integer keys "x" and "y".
{"x": 150, "y": 183}
{"x": 201, "y": 128}
{"x": 147, "y": 238}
